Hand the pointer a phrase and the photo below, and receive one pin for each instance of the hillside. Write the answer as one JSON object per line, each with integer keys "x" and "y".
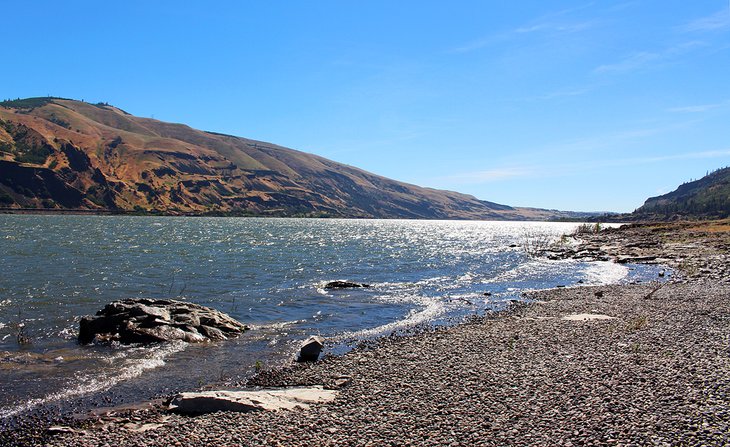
{"x": 708, "y": 197}
{"x": 63, "y": 154}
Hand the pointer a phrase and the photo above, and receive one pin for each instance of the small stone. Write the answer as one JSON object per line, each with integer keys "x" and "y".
{"x": 56, "y": 430}
{"x": 310, "y": 349}
{"x": 342, "y": 381}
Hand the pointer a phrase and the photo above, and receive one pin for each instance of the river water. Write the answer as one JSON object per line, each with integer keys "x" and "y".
{"x": 267, "y": 273}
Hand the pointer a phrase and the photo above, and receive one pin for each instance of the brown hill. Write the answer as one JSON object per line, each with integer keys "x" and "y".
{"x": 63, "y": 154}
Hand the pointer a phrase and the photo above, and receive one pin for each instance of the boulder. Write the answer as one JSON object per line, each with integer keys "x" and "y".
{"x": 150, "y": 321}
{"x": 311, "y": 348}
{"x": 344, "y": 285}
{"x": 244, "y": 401}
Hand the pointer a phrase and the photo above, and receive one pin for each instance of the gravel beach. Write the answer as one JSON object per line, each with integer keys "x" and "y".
{"x": 645, "y": 364}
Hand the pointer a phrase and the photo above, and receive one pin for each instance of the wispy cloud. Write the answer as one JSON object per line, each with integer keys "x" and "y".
{"x": 553, "y": 23}
{"x": 493, "y": 175}
{"x": 642, "y": 60}
{"x": 620, "y": 6}
{"x": 685, "y": 156}
{"x": 562, "y": 94}
{"x": 715, "y": 22}
{"x": 697, "y": 108}
{"x": 633, "y": 62}
{"x": 610, "y": 140}
{"x": 555, "y": 27}
{"x": 559, "y": 170}
{"x": 477, "y": 44}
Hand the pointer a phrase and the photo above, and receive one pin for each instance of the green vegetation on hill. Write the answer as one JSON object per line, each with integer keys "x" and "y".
{"x": 28, "y": 103}
{"x": 24, "y": 149}
{"x": 708, "y": 197}
{"x": 34, "y": 103}
{"x": 34, "y": 154}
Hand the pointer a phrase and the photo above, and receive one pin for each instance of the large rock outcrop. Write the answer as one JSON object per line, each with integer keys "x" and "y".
{"x": 149, "y": 321}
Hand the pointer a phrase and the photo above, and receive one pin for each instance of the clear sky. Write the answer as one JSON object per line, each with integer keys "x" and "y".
{"x": 573, "y": 105}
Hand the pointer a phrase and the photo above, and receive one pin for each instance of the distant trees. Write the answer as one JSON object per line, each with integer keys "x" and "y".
{"x": 59, "y": 121}
{"x": 115, "y": 142}
{"x": 5, "y": 198}
{"x": 28, "y": 103}
{"x": 706, "y": 197}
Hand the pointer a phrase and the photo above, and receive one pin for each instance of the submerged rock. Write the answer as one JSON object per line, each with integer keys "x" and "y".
{"x": 344, "y": 285}
{"x": 311, "y": 348}
{"x": 271, "y": 400}
{"x": 148, "y": 321}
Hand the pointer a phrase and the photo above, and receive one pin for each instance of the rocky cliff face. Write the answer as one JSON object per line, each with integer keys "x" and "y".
{"x": 64, "y": 154}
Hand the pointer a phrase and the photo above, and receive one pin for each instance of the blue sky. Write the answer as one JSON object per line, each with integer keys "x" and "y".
{"x": 572, "y": 105}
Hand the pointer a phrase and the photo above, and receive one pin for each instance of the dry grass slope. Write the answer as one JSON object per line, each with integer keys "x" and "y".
{"x": 108, "y": 159}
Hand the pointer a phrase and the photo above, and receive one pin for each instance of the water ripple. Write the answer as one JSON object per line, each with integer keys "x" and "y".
{"x": 268, "y": 273}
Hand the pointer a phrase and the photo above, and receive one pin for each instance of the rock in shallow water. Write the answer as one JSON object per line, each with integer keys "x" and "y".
{"x": 344, "y": 285}
{"x": 148, "y": 321}
{"x": 311, "y": 348}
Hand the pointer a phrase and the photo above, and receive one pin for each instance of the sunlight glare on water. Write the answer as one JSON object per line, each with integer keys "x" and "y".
{"x": 267, "y": 273}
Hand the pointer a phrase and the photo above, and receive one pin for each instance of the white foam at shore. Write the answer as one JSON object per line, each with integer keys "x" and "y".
{"x": 605, "y": 272}
{"x": 433, "y": 309}
{"x": 276, "y": 325}
{"x": 524, "y": 270}
{"x": 103, "y": 380}
{"x": 595, "y": 273}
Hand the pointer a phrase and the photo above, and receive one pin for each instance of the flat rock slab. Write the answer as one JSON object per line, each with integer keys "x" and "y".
{"x": 586, "y": 317}
{"x": 244, "y": 401}
{"x": 141, "y": 428}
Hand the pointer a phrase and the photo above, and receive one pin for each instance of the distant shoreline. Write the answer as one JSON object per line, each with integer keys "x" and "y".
{"x": 55, "y": 211}
{"x": 107, "y": 212}
{"x": 85, "y": 212}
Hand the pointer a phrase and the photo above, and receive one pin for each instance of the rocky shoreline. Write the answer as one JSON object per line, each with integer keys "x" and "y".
{"x": 696, "y": 250}
{"x": 643, "y": 364}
